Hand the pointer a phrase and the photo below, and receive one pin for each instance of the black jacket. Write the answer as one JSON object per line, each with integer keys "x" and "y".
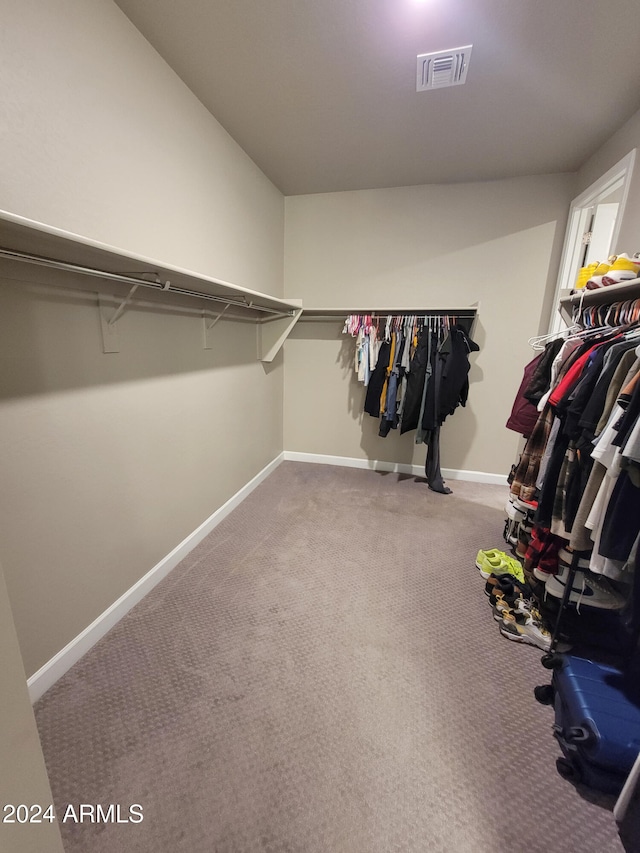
{"x": 415, "y": 384}
{"x": 541, "y": 378}
{"x": 376, "y": 381}
{"x": 454, "y": 386}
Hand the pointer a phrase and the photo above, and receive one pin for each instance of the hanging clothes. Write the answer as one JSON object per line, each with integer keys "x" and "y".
{"x": 415, "y": 383}
{"x": 454, "y": 390}
{"x": 419, "y": 379}
{"x": 438, "y": 383}
{"x": 536, "y": 381}
{"x": 390, "y": 416}
{"x": 421, "y": 430}
{"x": 541, "y": 378}
{"x": 524, "y": 413}
{"x": 432, "y": 464}
{"x": 377, "y": 381}
{"x": 587, "y": 487}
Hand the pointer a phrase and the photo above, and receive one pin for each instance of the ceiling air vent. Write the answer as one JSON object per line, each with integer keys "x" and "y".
{"x": 442, "y": 68}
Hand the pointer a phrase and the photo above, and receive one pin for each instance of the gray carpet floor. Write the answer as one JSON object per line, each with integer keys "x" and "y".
{"x": 321, "y": 674}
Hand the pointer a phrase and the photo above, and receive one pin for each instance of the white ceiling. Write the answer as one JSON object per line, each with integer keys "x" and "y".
{"x": 321, "y": 95}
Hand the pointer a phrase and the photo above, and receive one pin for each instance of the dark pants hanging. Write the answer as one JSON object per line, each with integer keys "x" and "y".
{"x": 432, "y": 465}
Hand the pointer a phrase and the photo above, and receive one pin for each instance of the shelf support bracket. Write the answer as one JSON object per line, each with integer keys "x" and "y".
{"x": 206, "y": 326}
{"x": 271, "y": 334}
{"x": 119, "y": 310}
{"x": 110, "y": 339}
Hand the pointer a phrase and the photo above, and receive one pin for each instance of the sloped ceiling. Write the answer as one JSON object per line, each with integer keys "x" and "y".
{"x": 322, "y": 95}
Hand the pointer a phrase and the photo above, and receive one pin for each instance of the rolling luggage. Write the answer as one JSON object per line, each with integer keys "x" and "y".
{"x": 596, "y": 723}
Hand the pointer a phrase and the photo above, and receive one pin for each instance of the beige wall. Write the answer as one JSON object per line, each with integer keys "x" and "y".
{"x": 109, "y": 461}
{"x": 23, "y": 777}
{"x": 495, "y": 243}
{"x": 99, "y": 137}
{"x": 614, "y": 149}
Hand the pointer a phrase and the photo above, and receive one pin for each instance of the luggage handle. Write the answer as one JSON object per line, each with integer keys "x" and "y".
{"x": 578, "y": 734}
{"x": 574, "y": 734}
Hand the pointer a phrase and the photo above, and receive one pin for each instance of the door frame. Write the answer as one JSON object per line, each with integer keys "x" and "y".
{"x": 572, "y": 247}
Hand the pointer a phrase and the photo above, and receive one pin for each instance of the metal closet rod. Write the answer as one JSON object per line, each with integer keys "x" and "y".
{"x": 463, "y": 314}
{"x": 39, "y": 260}
{"x": 421, "y": 312}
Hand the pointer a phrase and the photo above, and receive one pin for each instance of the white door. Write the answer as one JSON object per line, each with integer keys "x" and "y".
{"x": 603, "y": 222}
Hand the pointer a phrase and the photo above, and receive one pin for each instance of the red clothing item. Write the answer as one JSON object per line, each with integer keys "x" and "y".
{"x": 524, "y": 414}
{"x": 543, "y": 550}
{"x": 571, "y": 377}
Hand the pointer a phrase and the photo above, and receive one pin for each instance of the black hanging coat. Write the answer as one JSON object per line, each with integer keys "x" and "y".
{"x": 376, "y": 382}
{"x": 541, "y": 377}
{"x": 415, "y": 383}
{"x": 454, "y": 386}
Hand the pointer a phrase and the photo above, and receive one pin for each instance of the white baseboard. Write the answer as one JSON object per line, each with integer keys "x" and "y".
{"x": 55, "y": 668}
{"x": 394, "y": 467}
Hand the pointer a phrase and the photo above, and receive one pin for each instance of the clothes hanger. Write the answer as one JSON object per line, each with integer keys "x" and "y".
{"x": 537, "y": 342}
{"x": 586, "y": 331}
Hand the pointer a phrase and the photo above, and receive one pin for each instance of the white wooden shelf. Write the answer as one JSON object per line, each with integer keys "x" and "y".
{"x": 27, "y": 241}
{"x": 330, "y": 314}
{"x": 622, "y": 292}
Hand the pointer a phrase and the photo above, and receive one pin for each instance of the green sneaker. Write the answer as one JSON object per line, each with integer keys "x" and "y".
{"x": 498, "y": 563}
{"x": 492, "y": 562}
{"x": 516, "y": 569}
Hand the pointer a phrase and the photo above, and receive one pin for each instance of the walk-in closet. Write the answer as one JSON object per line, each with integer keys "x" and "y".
{"x": 318, "y": 348}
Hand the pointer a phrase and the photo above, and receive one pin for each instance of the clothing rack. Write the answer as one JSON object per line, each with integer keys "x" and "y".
{"x": 29, "y": 243}
{"x": 466, "y": 314}
{"x": 442, "y": 319}
{"x": 155, "y": 281}
{"x": 603, "y": 323}
{"x": 414, "y": 366}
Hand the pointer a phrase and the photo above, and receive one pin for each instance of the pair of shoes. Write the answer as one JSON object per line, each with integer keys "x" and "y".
{"x": 498, "y": 563}
{"x": 504, "y": 606}
{"x": 588, "y": 590}
{"x": 525, "y": 626}
{"x": 584, "y": 274}
{"x": 522, "y": 504}
{"x": 515, "y": 513}
{"x": 505, "y": 585}
{"x": 595, "y": 279}
{"x": 623, "y": 268}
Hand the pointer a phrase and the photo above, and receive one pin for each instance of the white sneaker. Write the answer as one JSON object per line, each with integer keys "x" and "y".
{"x": 514, "y": 513}
{"x": 543, "y": 577}
{"x": 526, "y": 630}
{"x": 567, "y": 556}
{"x": 588, "y": 589}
